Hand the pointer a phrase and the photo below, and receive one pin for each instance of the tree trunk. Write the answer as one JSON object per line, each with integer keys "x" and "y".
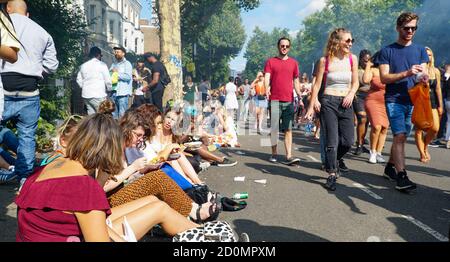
{"x": 170, "y": 43}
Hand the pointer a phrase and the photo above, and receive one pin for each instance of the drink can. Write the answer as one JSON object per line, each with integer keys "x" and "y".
{"x": 243, "y": 195}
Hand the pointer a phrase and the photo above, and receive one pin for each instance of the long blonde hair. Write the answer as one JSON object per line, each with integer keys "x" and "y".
{"x": 431, "y": 67}
{"x": 334, "y": 41}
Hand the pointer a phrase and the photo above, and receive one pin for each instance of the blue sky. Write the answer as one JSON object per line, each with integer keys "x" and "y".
{"x": 270, "y": 14}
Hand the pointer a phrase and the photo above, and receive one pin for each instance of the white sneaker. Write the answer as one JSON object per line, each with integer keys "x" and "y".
{"x": 380, "y": 158}
{"x": 373, "y": 157}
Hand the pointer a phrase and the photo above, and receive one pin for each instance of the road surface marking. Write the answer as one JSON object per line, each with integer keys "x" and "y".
{"x": 313, "y": 159}
{"x": 365, "y": 189}
{"x": 426, "y": 228}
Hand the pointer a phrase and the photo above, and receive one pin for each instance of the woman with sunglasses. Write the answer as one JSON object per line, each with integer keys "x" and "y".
{"x": 338, "y": 70}
{"x": 437, "y": 106}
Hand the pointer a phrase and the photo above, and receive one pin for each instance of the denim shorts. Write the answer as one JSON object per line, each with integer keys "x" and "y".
{"x": 399, "y": 118}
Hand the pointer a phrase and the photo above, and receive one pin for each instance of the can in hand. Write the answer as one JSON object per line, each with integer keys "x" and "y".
{"x": 243, "y": 195}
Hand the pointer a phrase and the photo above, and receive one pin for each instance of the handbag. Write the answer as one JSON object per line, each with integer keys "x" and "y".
{"x": 217, "y": 231}
{"x": 422, "y": 115}
{"x": 198, "y": 193}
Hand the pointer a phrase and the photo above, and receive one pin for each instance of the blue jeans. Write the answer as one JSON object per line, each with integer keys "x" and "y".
{"x": 26, "y": 111}
{"x": 121, "y": 105}
{"x": 8, "y": 139}
{"x": 399, "y": 118}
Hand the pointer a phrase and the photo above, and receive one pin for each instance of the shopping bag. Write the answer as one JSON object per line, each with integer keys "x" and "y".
{"x": 422, "y": 116}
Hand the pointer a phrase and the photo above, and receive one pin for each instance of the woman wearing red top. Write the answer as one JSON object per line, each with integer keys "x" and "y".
{"x": 376, "y": 110}
{"x": 65, "y": 201}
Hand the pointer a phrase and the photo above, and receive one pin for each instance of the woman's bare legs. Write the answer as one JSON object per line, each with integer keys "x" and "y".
{"x": 431, "y": 133}
{"x": 375, "y": 132}
{"x": 188, "y": 169}
{"x": 420, "y": 145}
{"x": 208, "y": 156}
{"x": 382, "y": 139}
{"x": 144, "y": 213}
{"x": 175, "y": 165}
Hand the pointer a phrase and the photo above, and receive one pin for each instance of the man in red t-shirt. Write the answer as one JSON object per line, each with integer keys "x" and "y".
{"x": 281, "y": 76}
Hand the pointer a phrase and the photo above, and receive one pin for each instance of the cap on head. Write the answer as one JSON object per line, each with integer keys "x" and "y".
{"x": 120, "y": 48}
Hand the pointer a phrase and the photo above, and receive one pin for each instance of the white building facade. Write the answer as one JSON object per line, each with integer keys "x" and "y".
{"x": 112, "y": 23}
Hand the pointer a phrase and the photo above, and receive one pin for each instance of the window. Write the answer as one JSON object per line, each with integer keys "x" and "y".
{"x": 103, "y": 22}
{"x": 125, "y": 42}
{"x": 111, "y": 30}
{"x": 92, "y": 16}
{"x": 136, "y": 45}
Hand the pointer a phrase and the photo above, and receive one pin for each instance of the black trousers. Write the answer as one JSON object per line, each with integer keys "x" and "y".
{"x": 138, "y": 101}
{"x": 338, "y": 125}
{"x": 157, "y": 98}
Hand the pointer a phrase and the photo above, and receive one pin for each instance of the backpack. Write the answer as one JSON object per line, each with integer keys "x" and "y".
{"x": 165, "y": 79}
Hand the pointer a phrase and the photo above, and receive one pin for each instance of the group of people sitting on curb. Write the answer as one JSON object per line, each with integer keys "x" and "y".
{"x": 116, "y": 180}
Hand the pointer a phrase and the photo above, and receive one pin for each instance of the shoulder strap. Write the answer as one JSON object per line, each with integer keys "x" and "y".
{"x": 325, "y": 74}
{"x": 351, "y": 60}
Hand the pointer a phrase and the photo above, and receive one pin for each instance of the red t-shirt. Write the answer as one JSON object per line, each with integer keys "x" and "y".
{"x": 282, "y": 75}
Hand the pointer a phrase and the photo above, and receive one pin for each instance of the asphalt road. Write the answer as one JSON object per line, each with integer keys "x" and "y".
{"x": 293, "y": 205}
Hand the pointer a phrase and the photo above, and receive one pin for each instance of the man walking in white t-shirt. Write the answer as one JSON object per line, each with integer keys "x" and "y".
{"x": 94, "y": 79}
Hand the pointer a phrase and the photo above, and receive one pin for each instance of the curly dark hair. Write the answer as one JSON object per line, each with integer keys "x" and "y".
{"x": 148, "y": 113}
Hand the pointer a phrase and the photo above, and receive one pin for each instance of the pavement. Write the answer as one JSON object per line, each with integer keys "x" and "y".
{"x": 294, "y": 207}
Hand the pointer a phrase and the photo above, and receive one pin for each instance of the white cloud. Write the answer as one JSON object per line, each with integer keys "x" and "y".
{"x": 312, "y": 7}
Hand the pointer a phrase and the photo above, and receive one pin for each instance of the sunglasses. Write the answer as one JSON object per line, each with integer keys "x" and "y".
{"x": 74, "y": 118}
{"x": 285, "y": 46}
{"x": 412, "y": 28}
{"x": 348, "y": 41}
{"x": 139, "y": 136}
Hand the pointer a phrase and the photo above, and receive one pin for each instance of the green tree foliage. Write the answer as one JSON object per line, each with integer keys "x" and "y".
{"x": 195, "y": 15}
{"x": 222, "y": 39}
{"x": 66, "y": 23}
{"x": 372, "y": 23}
{"x": 261, "y": 46}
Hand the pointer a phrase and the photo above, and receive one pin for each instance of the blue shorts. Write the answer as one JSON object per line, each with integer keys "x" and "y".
{"x": 399, "y": 118}
{"x": 261, "y": 103}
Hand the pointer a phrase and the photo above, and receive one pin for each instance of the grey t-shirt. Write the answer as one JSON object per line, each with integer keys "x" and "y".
{"x": 204, "y": 87}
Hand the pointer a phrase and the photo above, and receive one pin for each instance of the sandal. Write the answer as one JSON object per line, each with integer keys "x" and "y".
{"x": 229, "y": 204}
{"x": 216, "y": 198}
{"x": 213, "y": 214}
